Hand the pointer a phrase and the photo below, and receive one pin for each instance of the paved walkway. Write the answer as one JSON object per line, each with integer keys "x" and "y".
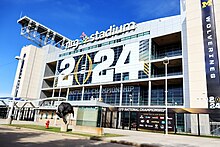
{"x": 20, "y": 137}
{"x": 152, "y": 139}
{"x": 158, "y": 139}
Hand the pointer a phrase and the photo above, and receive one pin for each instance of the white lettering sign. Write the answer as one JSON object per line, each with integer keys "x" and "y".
{"x": 113, "y": 30}
{"x": 103, "y": 71}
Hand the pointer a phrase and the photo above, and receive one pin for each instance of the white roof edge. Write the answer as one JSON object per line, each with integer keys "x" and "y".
{"x": 26, "y": 17}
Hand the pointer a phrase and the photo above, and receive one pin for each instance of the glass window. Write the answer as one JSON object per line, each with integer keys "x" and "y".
{"x": 111, "y": 95}
{"x": 111, "y": 42}
{"x": 157, "y": 95}
{"x": 142, "y": 75}
{"x": 75, "y": 95}
{"x": 130, "y": 95}
{"x": 146, "y": 33}
{"x": 105, "y": 43}
{"x": 132, "y": 36}
{"x": 91, "y": 94}
{"x": 125, "y": 76}
{"x": 117, "y": 77}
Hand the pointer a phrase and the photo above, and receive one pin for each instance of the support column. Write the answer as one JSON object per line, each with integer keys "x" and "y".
{"x": 175, "y": 123}
{"x": 22, "y": 114}
{"x": 139, "y": 95}
{"x": 46, "y": 37}
{"x": 59, "y": 91}
{"x": 120, "y": 104}
{"x": 130, "y": 119}
{"x": 28, "y": 112}
{"x": 123, "y": 118}
{"x": 100, "y": 92}
{"x": 121, "y": 92}
{"x": 198, "y": 125}
{"x": 19, "y": 112}
{"x": 111, "y": 115}
{"x": 117, "y": 120}
{"x": 36, "y": 115}
{"x": 105, "y": 117}
{"x": 67, "y": 94}
{"x": 83, "y": 89}
{"x": 52, "y": 40}
{"x": 53, "y": 92}
{"x": 149, "y": 93}
{"x": 35, "y": 30}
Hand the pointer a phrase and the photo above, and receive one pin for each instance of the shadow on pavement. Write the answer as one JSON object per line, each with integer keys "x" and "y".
{"x": 12, "y": 137}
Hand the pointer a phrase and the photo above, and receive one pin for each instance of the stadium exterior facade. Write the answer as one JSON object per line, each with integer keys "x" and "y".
{"x": 123, "y": 66}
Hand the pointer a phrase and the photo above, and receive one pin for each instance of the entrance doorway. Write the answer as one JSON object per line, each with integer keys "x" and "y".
{"x": 137, "y": 119}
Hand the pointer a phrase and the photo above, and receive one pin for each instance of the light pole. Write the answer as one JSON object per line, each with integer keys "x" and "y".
{"x": 166, "y": 62}
{"x": 130, "y": 100}
{"x": 9, "y": 119}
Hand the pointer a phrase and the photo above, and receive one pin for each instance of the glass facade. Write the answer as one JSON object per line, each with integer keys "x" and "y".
{"x": 174, "y": 95}
{"x": 111, "y": 95}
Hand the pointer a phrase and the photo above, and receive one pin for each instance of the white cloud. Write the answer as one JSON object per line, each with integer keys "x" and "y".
{"x": 71, "y": 10}
{"x": 155, "y": 8}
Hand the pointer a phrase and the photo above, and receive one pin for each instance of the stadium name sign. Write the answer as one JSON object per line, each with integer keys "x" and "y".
{"x": 113, "y": 30}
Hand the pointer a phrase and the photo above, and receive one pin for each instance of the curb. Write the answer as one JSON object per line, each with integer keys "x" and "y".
{"x": 123, "y": 142}
{"x": 135, "y": 144}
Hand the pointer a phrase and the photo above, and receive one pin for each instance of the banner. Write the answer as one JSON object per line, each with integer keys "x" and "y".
{"x": 211, "y": 53}
{"x": 155, "y": 121}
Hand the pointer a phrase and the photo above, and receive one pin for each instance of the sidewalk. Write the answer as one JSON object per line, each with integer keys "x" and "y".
{"x": 157, "y": 139}
{"x": 138, "y": 138}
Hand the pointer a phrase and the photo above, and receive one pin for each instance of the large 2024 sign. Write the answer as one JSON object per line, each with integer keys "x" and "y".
{"x": 69, "y": 74}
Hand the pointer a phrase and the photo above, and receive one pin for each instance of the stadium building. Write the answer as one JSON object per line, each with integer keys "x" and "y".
{"x": 128, "y": 70}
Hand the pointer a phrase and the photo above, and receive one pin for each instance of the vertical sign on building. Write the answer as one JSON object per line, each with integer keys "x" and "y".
{"x": 211, "y": 54}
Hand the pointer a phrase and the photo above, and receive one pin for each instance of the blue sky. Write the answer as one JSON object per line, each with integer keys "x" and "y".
{"x": 69, "y": 18}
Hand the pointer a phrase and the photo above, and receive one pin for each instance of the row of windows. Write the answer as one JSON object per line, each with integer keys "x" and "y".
{"x": 133, "y": 96}
{"x": 47, "y": 115}
{"x": 159, "y": 52}
{"x": 106, "y": 43}
{"x": 174, "y": 95}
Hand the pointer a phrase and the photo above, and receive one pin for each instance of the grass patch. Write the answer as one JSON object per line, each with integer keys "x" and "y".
{"x": 151, "y": 131}
{"x": 57, "y": 130}
{"x": 51, "y": 129}
{"x": 112, "y": 135}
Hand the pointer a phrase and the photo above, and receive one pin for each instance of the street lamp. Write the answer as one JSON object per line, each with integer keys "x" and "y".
{"x": 9, "y": 119}
{"x": 166, "y": 62}
{"x": 130, "y": 100}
